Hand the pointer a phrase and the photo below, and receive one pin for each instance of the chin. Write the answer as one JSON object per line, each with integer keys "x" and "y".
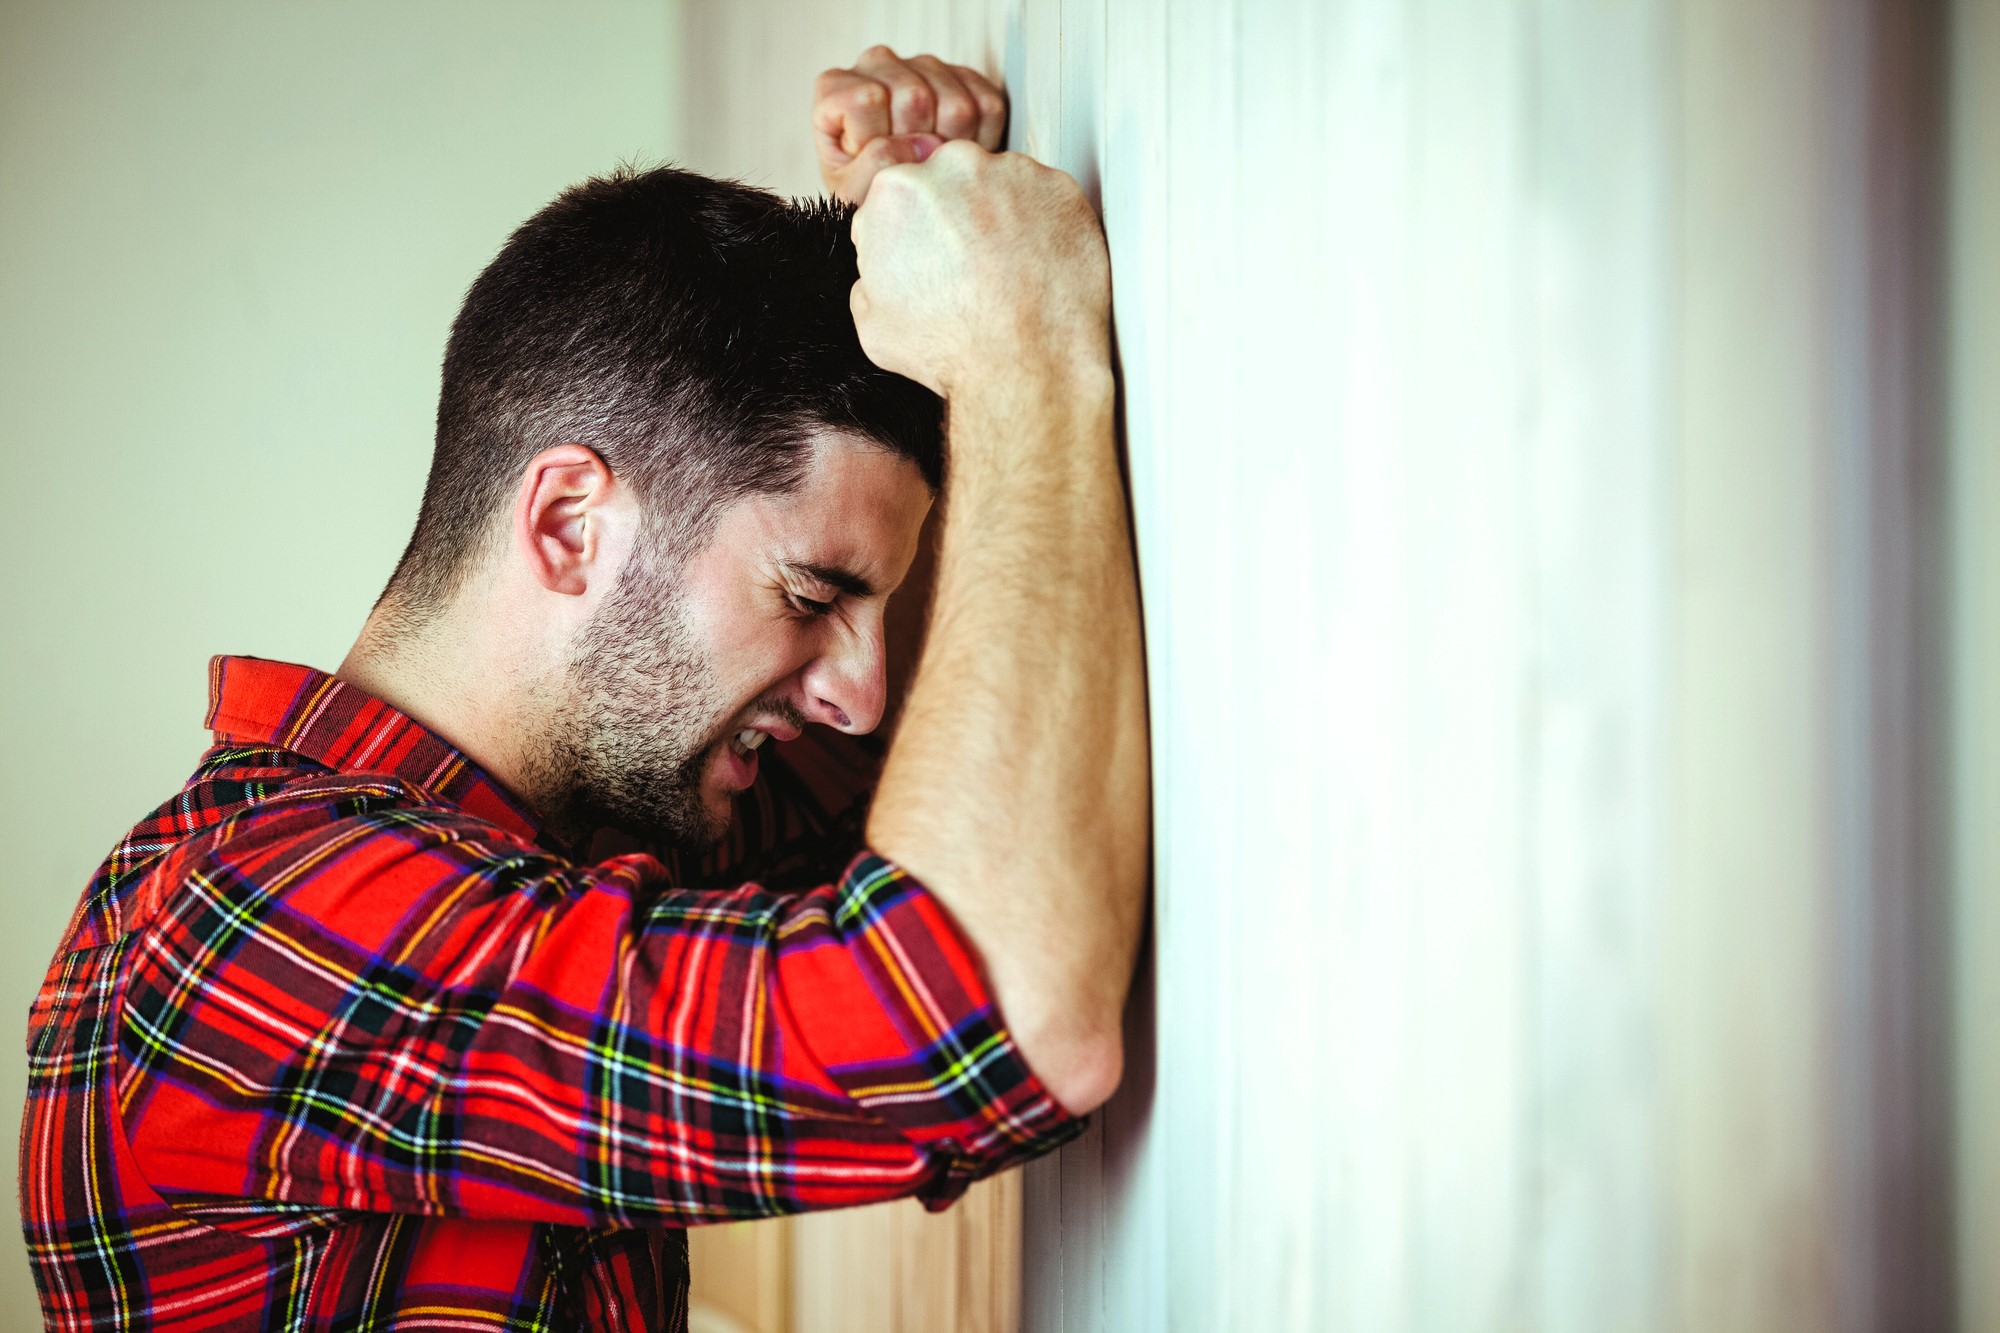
{"x": 688, "y": 815}
{"x": 720, "y": 807}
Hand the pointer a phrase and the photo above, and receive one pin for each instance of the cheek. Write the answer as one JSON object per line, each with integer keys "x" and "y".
{"x": 751, "y": 653}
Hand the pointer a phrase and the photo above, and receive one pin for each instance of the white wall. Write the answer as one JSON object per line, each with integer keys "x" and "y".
{"x": 1534, "y": 456}
{"x": 232, "y": 238}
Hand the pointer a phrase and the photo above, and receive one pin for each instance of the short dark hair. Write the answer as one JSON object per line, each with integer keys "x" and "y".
{"x": 694, "y": 332}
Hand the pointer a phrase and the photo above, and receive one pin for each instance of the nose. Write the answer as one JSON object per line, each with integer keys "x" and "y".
{"x": 847, "y": 687}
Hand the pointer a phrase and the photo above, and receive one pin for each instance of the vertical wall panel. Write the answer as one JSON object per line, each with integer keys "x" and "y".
{"x": 1462, "y": 530}
{"x": 1803, "y": 864}
{"x": 1111, "y": 1186}
{"x": 1746, "y": 924}
{"x": 1974, "y": 666}
{"x": 1598, "y": 414}
{"x": 1191, "y": 513}
{"x": 1895, "y": 515}
{"x": 894, "y": 1268}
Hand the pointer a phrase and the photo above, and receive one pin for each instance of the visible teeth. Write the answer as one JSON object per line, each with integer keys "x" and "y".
{"x": 750, "y": 738}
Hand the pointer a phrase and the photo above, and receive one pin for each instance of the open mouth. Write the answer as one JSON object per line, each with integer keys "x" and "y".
{"x": 748, "y": 739}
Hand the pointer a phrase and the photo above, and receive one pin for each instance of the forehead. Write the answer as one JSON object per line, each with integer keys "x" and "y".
{"x": 859, "y": 507}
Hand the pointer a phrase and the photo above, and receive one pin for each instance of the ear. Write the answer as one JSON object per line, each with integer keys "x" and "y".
{"x": 560, "y": 514}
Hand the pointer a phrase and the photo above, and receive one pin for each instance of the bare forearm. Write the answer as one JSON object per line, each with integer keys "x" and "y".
{"x": 1017, "y": 786}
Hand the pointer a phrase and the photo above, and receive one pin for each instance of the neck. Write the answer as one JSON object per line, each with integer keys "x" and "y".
{"x": 461, "y": 675}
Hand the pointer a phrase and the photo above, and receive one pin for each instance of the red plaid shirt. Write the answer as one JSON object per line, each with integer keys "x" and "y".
{"x": 335, "y": 1040}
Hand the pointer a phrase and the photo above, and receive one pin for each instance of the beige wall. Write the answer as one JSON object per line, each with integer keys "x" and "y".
{"x": 232, "y": 238}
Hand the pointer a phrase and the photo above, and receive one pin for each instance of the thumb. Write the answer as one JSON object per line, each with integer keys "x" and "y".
{"x": 852, "y": 181}
{"x": 891, "y": 149}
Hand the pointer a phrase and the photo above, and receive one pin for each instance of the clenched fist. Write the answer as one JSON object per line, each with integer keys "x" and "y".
{"x": 976, "y": 262}
{"x": 887, "y": 110}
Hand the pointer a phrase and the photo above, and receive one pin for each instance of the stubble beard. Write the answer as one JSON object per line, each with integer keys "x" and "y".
{"x": 630, "y": 737}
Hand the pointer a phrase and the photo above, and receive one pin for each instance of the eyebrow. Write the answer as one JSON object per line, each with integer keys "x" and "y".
{"x": 835, "y": 577}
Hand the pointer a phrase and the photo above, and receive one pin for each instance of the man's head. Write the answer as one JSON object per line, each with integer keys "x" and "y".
{"x": 663, "y": 460}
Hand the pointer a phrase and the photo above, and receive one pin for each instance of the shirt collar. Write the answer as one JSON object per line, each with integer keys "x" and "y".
{"x": 334, "y": 723}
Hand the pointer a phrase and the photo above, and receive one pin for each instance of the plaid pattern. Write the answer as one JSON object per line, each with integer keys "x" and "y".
{"x": 335, "y": 1041}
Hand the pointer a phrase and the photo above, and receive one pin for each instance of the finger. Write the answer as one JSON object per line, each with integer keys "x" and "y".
{"x": 857, "y": 228}
{"x": 851, "y": 182}
{"x": 992, "y": 102}
{"x": 956, "y": 114}
{"x": 912, "y": 106}
{"x": 849, "y": 109}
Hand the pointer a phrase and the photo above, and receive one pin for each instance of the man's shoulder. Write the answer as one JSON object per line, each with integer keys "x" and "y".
{"x": 270, "y": 820}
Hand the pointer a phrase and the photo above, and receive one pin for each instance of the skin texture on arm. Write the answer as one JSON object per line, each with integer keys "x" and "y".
{"x": 1016, "y": 789}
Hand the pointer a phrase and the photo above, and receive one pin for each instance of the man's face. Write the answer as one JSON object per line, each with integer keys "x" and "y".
{"x": 774, "y": 623}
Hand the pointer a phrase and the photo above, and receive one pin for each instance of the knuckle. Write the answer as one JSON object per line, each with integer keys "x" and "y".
{"x": 879, "y": 51}
{"x": 868, "y": 94}
{"x": 894, "y": 178}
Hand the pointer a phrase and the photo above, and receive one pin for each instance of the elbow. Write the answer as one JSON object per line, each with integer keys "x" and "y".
{"x": 1081, "y": 1069}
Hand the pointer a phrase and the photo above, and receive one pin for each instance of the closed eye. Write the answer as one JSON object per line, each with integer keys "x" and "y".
{"x": 811, "y": 607}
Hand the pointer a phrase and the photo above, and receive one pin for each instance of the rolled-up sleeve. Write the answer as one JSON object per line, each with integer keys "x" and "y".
{"x": 401, "y": 1012}
{"x": 889, "y": 1001}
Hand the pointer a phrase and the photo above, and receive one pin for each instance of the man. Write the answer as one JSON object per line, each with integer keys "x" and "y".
{"x": 352, "y": 1033}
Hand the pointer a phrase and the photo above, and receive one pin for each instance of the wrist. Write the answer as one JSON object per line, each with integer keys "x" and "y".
{"x": 1031, "y": 423}
{"x": 1044, "y": 377}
